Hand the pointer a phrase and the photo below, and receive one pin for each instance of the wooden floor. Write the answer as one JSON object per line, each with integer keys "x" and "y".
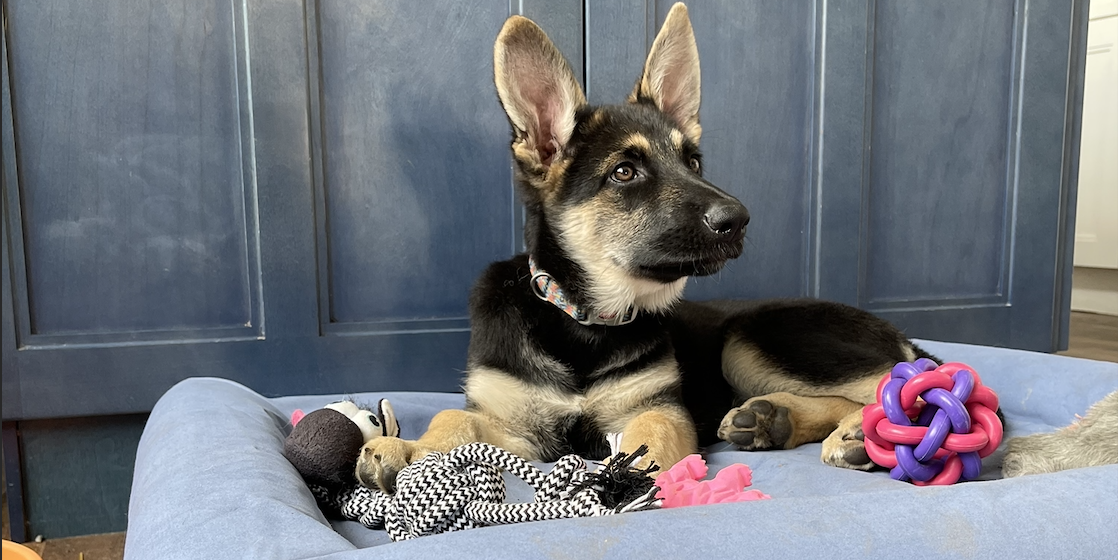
{"x": 1092, "y": 336}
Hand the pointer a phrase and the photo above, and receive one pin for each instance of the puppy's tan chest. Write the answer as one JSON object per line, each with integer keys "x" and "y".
{"x": 514, "y": 401}
{"x": 609, "y": 402}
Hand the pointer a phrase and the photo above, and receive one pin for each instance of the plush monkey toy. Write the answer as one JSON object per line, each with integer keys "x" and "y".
{"x": 324, "y": 445}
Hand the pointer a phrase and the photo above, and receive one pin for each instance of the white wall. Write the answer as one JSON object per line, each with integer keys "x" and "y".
{"x": 1095, "y": 281}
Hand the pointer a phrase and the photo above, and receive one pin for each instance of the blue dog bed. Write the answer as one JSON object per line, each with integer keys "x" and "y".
{"x": 211, "y": 482}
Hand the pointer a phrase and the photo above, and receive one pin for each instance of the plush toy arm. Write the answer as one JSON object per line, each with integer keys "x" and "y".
{"x": 391, "y": 426}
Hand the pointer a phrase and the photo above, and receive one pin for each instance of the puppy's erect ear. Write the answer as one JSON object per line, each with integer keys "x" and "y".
{"x": 537, "y": 89}
{"x": 671, "y": 74}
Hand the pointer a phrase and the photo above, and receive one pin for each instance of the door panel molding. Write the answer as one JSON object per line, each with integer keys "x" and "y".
{"x": 155, "y": 239}
{"x": 845, "y": 69}
{"x": 1028, "y": 307}
{"x": 918, "y": 138}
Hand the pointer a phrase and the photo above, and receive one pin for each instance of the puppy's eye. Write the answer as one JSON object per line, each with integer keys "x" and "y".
{"x": 696, "y": 165}
{"x": 624, "y": 173}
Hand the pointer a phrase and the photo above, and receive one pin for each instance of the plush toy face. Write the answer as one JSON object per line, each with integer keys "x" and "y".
{"x": 378, "y": 423}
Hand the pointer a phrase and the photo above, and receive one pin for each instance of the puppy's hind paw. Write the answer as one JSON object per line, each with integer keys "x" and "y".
{"x": 847, "y": 451}
{"x": 846, "y": 446}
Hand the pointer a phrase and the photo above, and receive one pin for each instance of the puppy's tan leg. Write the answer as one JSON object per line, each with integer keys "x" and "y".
{"x": 846, "y": 446}
{"x": 669, "y": 434}
{"x": 784, "y": 420}
{"x": 451, "y": 428}
{"x": 381, "y": 459}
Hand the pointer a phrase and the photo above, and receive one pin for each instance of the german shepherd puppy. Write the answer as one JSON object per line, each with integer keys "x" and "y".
{"x": 585, "y": 334}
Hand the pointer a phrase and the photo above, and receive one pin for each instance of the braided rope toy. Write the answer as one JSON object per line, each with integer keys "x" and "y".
{"x": 932, "y": 424}
{"x": 464, "y": 489}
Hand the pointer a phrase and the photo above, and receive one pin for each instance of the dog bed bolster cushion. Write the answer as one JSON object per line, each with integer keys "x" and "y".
{"x": 211, "y": 481}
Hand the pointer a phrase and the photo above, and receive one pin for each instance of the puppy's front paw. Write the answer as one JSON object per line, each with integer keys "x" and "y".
{"x": 757, "y": 424}
{"x": 382, "y": 458}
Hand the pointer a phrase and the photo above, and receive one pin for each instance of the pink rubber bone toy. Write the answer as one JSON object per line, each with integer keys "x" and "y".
{"x": 683, "y": 484}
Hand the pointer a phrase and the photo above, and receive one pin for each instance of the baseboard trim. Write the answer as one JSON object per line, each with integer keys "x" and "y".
{"x": 1095, "y": 290}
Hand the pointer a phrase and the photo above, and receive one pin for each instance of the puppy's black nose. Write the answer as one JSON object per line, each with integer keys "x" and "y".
{"x": 726, "y": 219}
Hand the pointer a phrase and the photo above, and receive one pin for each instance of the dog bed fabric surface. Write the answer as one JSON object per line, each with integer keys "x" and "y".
{"x": 211, "y": 482}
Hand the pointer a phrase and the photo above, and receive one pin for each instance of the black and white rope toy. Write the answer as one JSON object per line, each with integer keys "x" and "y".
{"x": 464, "y": 489}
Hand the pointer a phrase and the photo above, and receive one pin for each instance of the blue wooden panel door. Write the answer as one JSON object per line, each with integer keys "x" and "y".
{"x": 904, "y": 157}
{"x": 297, "y": 195}
{"x": 294, "y": 195}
